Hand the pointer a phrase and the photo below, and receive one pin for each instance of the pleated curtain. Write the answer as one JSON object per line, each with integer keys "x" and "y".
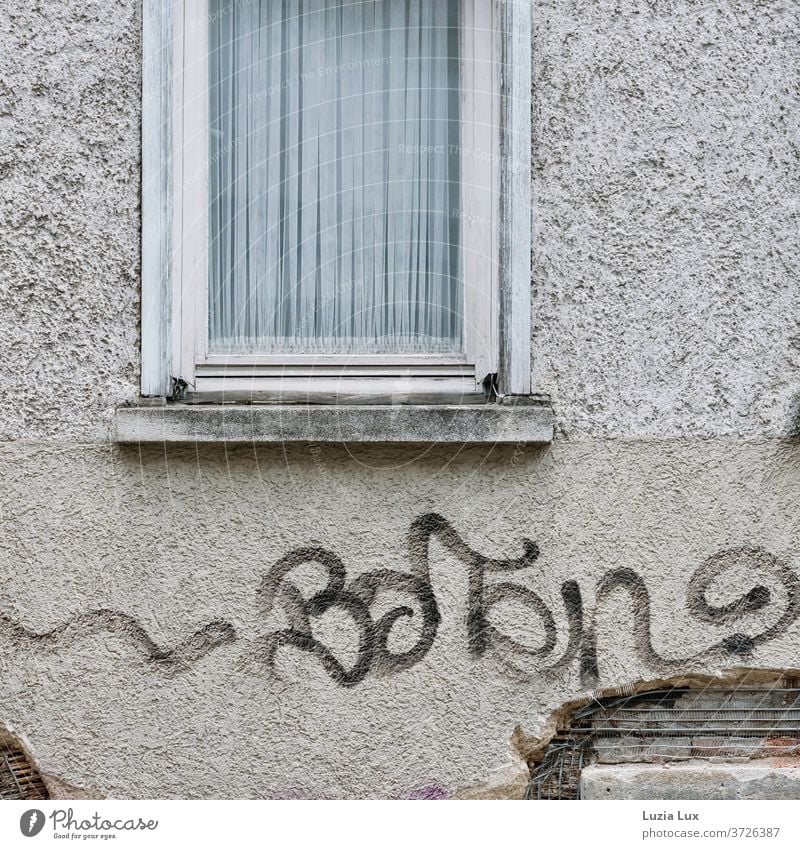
{"x": 334, "y": 177}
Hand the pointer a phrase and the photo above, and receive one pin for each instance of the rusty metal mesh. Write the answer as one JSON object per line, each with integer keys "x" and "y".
{"x": 19, "y": 778}
{"x": 676, "y": 723}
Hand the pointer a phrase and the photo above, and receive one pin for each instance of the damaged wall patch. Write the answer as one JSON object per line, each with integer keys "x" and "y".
{"x": 19, "y": 777}
{"x": 745, "y": 715}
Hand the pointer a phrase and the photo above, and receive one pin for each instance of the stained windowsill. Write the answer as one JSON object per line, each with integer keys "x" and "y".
{"x": 512, "y": 421}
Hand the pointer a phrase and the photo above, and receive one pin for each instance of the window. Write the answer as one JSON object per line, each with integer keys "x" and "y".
{"x": 336, "y": 200}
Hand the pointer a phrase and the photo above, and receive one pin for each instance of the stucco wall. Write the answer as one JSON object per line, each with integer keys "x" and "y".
{"x": 181, "y": 540}
{"x": 665, "y": 328}
{"x": 667, "y": 185}
{"x": 70, "y": 115}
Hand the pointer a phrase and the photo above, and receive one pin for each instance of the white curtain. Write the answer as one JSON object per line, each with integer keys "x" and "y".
{"x": 334, "y": 176}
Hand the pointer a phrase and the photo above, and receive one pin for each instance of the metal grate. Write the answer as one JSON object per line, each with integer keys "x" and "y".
{"x": 669, "y": 724}
{"x": 19, "y": 779}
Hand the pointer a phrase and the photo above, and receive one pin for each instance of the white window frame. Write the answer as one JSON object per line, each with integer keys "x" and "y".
{"x": 496, "y": 179}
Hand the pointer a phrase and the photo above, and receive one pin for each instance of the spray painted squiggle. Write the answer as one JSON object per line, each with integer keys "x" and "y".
{"x": 206, "y": 639}
{"x": 357, "y": 598}
{"x": 737, "y": 644}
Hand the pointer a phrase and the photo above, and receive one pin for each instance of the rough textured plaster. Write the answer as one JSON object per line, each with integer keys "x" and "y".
{"x": 69, "y": 216}
{"x": 666, "y": 183}
{"x": 181, "y": 538}
{"x": 666, "y": 178}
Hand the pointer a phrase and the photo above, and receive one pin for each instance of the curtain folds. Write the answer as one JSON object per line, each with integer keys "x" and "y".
{"x": 334, "y": 177}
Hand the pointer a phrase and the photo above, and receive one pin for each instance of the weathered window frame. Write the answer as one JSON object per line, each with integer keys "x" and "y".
{"x": 170, "y": 362}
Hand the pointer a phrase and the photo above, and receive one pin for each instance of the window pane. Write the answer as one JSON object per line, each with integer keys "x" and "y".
{"x": 334, "y": 177}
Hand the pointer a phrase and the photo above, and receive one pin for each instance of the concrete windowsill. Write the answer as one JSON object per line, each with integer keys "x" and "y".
{"x": 449, "y": 423}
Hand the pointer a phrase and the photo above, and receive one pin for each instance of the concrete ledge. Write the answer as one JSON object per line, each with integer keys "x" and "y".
{"x": 479, "y": 423}
{"x": 760, "y": 779}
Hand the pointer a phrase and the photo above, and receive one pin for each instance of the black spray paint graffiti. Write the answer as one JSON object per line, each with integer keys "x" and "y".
{"x": 188, "y": 651}
{"x": 737, "y": 644}
{"x": 358, "y": 596}
{"x": 358, "y": 599}
{"x": 374, "y": 656}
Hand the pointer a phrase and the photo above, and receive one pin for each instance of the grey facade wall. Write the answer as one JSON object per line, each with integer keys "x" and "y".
{"x": 133, "y": 613}
{"x": 666, "y": 216}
